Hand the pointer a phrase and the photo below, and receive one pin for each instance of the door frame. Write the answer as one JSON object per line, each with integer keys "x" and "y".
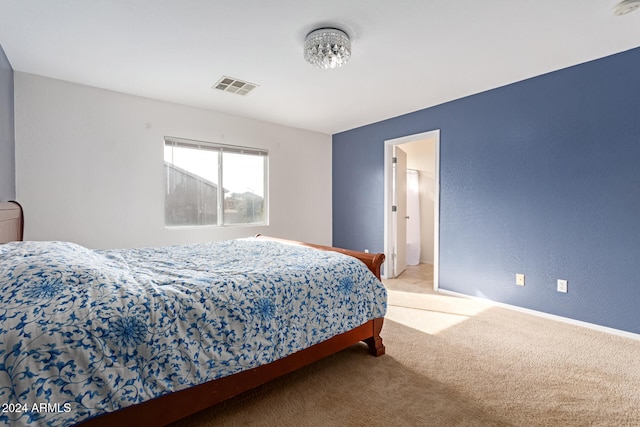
{"x": 388, "y": 202}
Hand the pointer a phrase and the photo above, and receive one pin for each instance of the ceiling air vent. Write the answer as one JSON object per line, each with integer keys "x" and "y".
{"x": 229, "y": 84}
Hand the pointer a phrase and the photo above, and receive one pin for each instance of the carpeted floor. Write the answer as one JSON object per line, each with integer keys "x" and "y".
{"x": 453, "y": 362}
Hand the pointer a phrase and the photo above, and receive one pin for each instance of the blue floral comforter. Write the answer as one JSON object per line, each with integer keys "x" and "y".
{"x": 84, "y": 332}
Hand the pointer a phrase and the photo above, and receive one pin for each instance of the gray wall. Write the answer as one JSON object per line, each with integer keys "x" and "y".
{"x": 7, "y": 137}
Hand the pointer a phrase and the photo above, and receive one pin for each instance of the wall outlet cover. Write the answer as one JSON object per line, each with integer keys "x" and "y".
{"x": 562, "y": 285}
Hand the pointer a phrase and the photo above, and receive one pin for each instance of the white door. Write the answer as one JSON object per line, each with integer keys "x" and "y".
{"x": 399, "y": 210}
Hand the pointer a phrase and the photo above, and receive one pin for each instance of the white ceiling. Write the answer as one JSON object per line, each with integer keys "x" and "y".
{"x": 406, "y": 54}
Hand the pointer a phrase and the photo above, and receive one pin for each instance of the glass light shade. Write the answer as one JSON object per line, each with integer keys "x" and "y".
{"x": 327, "y": 48}
{"x": 626, "y": 6}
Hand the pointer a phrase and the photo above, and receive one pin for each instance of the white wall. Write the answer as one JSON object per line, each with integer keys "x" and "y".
{"x": 421, "y": 157}
{"x": 89, "y": 167}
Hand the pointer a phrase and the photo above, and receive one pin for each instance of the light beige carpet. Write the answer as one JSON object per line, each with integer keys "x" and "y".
{"x": 453, "y": 362}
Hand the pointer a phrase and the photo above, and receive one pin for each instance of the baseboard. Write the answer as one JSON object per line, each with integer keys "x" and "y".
{"x": 568, "y": 320}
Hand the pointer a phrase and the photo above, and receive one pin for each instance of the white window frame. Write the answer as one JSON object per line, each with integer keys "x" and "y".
{"x": 224, "y": 148}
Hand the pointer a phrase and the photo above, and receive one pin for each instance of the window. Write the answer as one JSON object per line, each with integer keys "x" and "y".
{"x": 214, "y": 184}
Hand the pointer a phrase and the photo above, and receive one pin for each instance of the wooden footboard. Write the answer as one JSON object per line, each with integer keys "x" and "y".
{"x": 174, "y": 406}
{"x": 372, "y": 261}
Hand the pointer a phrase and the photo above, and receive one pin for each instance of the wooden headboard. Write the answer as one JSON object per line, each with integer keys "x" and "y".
{"x": 11, "y": 222}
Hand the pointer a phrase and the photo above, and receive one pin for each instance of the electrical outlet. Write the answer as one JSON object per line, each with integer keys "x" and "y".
{"x": 520, "y": 279}
{"x": 562, "y": 285}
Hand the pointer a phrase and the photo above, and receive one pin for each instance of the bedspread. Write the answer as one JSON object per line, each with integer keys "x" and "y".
{"x": 84, "y": 332}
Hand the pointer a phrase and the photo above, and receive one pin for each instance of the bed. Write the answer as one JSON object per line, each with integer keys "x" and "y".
{"x": 148, "y": 336}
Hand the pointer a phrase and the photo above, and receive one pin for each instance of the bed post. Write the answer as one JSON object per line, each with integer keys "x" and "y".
{"x": 376, "y": 348}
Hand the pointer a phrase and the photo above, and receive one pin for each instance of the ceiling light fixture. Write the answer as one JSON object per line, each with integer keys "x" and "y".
{"x": 626, "y": 6}
{"x": 327, "y": 48}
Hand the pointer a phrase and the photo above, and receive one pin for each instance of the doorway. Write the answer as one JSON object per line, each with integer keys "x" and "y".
{"x": 428, "y": 166}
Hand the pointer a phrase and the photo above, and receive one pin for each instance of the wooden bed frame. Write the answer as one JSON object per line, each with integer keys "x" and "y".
{"x": 11, "y": 222}
{"x": 174, "y": 406}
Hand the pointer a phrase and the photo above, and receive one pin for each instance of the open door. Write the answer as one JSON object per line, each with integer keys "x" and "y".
{"x": 390, "y": 232}
{"x": 399, "y": 211}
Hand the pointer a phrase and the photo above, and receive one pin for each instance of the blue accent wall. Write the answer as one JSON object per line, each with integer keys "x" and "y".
{"x": 540, "y": 177}
{"x": 7, "y": 134}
